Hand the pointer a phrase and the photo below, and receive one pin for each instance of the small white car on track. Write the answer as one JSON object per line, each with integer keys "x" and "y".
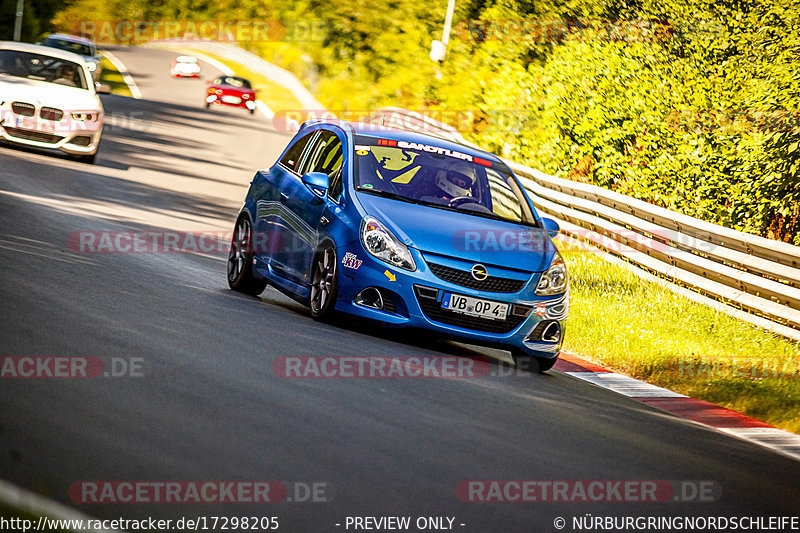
{"x": 49, "y": 100}
{"x": 185, "y": 67}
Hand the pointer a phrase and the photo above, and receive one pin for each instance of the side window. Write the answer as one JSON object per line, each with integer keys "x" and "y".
{"x": 335, "y": 190}
{"x": 326, "y": 154}
{"x": 291, "y": 158}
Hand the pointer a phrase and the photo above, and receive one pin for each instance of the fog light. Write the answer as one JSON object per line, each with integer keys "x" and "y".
{"x": 370, "y": 297}
{"x": 546, "y": 331}
{"x": 81, "y": 140}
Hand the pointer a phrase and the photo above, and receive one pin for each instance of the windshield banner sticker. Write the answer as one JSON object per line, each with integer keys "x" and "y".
{"x": 433, "y": 149}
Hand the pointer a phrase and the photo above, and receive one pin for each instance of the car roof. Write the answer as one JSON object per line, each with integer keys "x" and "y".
{"x": 72, "y": 38}
{"x": 399, "y": 134}
{"x": 43, "y": 50}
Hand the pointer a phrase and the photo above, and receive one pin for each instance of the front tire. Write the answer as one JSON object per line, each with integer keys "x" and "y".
{"x": 532, "y": 363}
{"x": 324, "y": 283}
{"x": 240, "y": 260}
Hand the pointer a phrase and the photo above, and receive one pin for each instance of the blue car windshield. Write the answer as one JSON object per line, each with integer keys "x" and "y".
{"x": 436, "y": 176}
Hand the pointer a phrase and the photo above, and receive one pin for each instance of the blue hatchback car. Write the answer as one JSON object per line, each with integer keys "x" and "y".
{"x": 406, "y": 229}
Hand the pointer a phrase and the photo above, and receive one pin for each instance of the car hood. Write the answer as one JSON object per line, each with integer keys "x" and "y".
{"x": 461, "y": 235}
{"x": 49, "y": 94}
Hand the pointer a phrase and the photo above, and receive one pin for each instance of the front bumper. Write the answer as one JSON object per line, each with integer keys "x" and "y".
{"x": 65, "y": 135}
{"x": 414, "y": 299}
{"x": 242, "y": 103}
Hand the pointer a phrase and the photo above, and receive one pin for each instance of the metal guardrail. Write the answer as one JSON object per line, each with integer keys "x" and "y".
{"x": 750, "y": 272}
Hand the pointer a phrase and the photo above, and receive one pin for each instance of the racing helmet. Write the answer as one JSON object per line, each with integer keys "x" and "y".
{"x": 454, "y": 183}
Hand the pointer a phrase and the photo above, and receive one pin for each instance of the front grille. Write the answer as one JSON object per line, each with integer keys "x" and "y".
{"x": 51, "y": 113}
{"x": 465, "y": 279}
{"x": 24, "y": 109}
{"x": 433, "y": 310}
{"x": 36, "y": 136}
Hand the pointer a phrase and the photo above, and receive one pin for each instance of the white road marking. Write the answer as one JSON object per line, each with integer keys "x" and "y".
{"x": 120, "y": 66}
{"x": 625, "y": 385}
{"x": 23, "y": 500}
{"x": 773, "y": 438}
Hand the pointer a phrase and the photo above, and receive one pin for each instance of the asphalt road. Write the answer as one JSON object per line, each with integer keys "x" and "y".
{"x": 208, "y": 405}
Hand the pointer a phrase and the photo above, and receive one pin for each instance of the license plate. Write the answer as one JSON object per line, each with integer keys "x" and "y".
{"x": 26, "y": 123}
{"x": 475, "y": 307}
{"x": 231, "y": 99}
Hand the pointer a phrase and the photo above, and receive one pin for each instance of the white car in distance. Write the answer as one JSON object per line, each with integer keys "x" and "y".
{"x": 49, "y": 100}
{"x": 78, "y": 45}
{"x": 185, "y": 67}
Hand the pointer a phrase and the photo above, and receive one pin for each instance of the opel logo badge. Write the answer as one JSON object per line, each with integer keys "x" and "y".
{"x": 479, "y": 272}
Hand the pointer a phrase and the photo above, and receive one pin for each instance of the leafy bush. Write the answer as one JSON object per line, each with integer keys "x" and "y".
{"x": 693, "y": 105}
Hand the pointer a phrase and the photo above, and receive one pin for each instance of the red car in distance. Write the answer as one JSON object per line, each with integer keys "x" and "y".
{"x": 231, "y": 91}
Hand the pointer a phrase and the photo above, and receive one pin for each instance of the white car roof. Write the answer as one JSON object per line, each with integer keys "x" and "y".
{"x": 72, "y": 38}
{"x": 186, "y": 59}
{"x": 42, "y": 50}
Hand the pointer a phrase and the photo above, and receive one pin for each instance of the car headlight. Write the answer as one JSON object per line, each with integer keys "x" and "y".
{"x": 382, "y": 243}
{"x": 554, "y": 280}
{"x": 246, "y": 96}
{"x": 83, "y": 116}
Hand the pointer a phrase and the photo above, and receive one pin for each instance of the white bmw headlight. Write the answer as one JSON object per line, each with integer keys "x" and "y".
{"x": 554, "y": 280}
{"x": 85, "y": 116}
{"x": 382, "y": 243}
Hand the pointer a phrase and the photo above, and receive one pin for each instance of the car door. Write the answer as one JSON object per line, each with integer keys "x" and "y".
{"x": 273, "y": 236}
{"x": 304, "y": 208}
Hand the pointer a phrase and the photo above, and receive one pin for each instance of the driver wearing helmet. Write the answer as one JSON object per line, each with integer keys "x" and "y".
{"x": 453, "y": 184}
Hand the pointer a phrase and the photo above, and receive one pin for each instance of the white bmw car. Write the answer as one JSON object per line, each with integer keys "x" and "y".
{"x": 49, "y": 100}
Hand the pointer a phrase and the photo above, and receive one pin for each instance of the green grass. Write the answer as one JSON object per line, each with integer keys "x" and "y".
{"x": 112, "y": 77}
{"x": 277, "y": 97}
{"x": 644, "y": 330}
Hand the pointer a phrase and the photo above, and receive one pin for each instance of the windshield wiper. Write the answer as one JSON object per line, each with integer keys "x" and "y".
{"x": 387, "y": 194}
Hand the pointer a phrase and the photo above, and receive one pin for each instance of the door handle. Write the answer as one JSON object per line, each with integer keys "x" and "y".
{"x": 284, "y": 197}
